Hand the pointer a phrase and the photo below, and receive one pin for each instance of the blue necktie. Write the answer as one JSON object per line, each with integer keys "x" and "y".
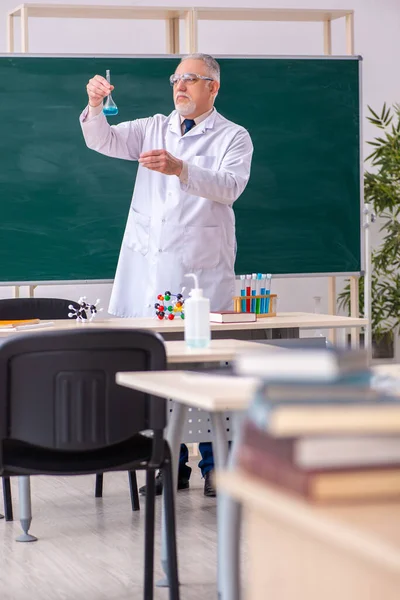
{"x": 188, "y": 123}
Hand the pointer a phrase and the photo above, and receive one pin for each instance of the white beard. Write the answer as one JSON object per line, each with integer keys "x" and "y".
{"x": 186, "y": 109}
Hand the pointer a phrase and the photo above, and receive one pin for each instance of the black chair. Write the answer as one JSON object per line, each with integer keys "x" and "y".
{"x": 14, "y": 309}
{"x": 52, "y": 309}
{"x": 35, "y": 308}
{"x": 62, "y": 413}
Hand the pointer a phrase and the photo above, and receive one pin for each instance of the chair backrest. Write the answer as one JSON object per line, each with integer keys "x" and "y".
{"x": 35, "y": 308}
{"x": 58, "y": 389}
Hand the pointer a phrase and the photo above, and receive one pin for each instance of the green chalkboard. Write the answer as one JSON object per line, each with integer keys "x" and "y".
{"x": 64, "y": 207}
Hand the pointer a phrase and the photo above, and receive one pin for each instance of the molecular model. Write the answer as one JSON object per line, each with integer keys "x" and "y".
{"x": 167, "y": 308}
{"x": 84, "y": 309}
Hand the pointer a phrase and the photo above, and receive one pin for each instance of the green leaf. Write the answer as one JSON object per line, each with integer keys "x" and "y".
{"x": 373, "y": 113}
{"x": 382, "y": 191}
{"x": 386, "y": 116}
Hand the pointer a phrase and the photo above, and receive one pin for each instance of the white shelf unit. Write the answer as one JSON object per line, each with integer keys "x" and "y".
{"x": 172, "y": 16}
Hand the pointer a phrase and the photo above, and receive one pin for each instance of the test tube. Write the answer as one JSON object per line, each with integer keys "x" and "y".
{"x": 248, "y": 292}
{"x": 267, "y": 291}
{"x": 258, "y": 300}
{"x": 243, "y": 291}
{"x": 253, "y": 291}
{"x": 262, "y": 292}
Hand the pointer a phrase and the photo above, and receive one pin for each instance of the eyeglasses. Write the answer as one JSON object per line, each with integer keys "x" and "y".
{"x": 187, "y": 78}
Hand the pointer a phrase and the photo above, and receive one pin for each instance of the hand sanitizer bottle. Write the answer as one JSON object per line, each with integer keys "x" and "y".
{"x": 197, "y": 317}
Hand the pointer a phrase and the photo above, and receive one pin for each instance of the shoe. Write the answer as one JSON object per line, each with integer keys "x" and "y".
{"x": 183, "y": 483}
{"x": 209, "y": 489}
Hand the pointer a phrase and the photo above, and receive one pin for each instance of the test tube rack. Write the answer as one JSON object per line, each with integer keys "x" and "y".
{"x": 270, "y": 300}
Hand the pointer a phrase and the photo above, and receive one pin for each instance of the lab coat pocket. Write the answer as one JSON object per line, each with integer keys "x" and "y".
{"x": 137, "y": 232}
{"x": 207, "y": 162}
{"x": 201, "y": 247}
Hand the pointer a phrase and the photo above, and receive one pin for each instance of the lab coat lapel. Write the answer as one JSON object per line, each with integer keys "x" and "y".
{"x": 175, "y": 125}
{"x": 204, "y": 125}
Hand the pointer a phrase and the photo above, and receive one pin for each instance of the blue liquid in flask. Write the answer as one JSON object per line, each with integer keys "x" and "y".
{"x": 109, "y": 106}
{"x": 110, "y": 110}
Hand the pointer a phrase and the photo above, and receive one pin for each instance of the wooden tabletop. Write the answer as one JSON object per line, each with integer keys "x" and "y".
{"x": 218, "y": 350}
{"x": 281, "y": 321}
{"x": 371, "y": 531}
{"x": 215, "y": 393}
{"x": 202, "y": 390}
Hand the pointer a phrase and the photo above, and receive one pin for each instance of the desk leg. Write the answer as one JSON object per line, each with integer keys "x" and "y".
{"x": 229, "y": 528}
{"x": 174, "y": 439}
{"x": 25, "y": 509}
{"x": 228, "y": 519}
{"x": 220, "y": 440}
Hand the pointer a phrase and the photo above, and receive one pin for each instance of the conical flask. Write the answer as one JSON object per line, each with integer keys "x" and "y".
{"x": 109, "y": 106}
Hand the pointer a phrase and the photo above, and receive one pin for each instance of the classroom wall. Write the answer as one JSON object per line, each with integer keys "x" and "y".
{"x": 377, "y": 39}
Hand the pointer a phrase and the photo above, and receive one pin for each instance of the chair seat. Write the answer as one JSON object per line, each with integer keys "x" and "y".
{"x": 21, "y": 458}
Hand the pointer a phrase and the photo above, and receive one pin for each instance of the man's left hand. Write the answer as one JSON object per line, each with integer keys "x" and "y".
{"x": 161, "y": 161}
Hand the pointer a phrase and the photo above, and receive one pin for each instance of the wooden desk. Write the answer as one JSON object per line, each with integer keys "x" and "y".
{"x": 218, "y": 350}
{"x": 299, "y": 552}
{"x": 217, "y": 393}
{"x": 288, "y": 320}
{"x": 214, "y": 393}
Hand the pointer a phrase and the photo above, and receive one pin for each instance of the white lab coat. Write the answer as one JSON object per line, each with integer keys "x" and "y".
{"x": 175, "y": 228}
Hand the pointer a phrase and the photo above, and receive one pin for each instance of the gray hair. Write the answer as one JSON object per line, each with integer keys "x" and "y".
{"x": 210, "y": 62}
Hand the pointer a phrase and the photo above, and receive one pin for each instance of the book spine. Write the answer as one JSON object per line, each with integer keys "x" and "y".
{"x": 267, "y": 468}
{"x": 259, "y": 439}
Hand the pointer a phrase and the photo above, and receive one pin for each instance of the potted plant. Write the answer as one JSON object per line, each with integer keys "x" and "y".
{"x": 382, "y": 191}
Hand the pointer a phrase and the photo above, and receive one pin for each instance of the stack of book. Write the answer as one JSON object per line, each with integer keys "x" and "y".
{"x": 317, "y": 427}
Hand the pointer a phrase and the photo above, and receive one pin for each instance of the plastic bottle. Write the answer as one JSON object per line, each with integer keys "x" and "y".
{"x": 197, "y": 317}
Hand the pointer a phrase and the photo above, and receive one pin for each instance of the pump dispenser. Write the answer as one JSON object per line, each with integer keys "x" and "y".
{"x": 197, "y": 317}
